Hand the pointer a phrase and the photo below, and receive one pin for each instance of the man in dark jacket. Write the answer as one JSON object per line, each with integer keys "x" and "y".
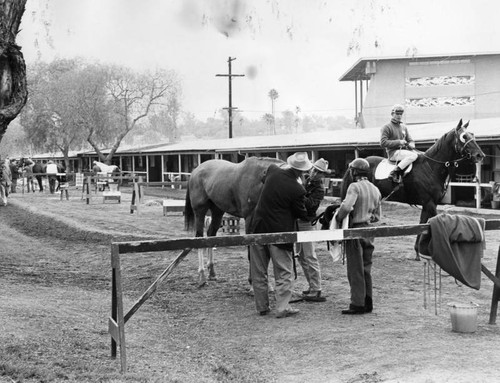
{"x": 38, "y": 169}
{"x": 281, "y": 203}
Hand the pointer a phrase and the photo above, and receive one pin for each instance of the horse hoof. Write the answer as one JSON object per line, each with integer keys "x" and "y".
{"x": 212, "y": 278}
{"x": 202, "y": 284}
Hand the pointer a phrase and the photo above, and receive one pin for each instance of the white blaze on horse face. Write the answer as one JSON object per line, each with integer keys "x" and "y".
{"x": 463, "y": 137}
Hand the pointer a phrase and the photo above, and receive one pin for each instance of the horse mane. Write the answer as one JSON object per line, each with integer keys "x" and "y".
{"x": 440, "y": 143}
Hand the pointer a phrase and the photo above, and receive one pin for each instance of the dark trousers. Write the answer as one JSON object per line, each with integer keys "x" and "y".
{"x": 359, "y": 266}
{"x": 40, "y": 183}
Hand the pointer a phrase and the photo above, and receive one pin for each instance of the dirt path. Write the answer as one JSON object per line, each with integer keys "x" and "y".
{"x": 55, "y": 294}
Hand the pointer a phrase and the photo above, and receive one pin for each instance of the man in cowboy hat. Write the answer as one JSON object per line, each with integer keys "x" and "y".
{"x": 306, "y": 252}
{"x": 281, "y": 203}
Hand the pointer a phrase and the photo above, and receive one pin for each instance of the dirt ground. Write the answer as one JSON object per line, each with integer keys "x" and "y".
{"x": 55, "y": 302}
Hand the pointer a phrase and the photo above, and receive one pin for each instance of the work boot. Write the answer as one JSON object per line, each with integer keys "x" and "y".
{"x": 395, "y": 175}
{"x": 313, "y": 296}
{"x": 354, "y": 310}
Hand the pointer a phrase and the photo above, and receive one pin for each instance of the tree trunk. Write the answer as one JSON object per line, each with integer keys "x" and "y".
{"x": 13, "y": 88}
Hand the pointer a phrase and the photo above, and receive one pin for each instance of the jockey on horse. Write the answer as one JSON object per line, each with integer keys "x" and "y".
{"x": 398, "y": 143}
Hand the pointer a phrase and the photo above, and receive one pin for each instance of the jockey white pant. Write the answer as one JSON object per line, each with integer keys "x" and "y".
{"x": 404, "y": 158}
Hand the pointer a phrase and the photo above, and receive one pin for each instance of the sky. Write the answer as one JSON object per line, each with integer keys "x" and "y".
{"x": 300, "y": 48}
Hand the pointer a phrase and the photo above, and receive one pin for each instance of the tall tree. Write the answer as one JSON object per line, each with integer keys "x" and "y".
{"x": 134, "y": 96}
{"x": 13, "y": 89}
{"x": 50, "y": 117}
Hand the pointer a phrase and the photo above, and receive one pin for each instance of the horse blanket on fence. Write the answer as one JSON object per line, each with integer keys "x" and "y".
{"x": 456, "y": 243}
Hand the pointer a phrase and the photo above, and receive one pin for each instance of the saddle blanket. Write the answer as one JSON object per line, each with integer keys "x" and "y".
{"x": 385, "y": 167}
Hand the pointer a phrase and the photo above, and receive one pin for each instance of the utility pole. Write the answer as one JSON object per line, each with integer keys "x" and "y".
{"x": 230, "y": 106}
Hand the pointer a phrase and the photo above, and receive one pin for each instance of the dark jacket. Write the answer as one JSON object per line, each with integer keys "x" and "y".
{"x": 390, "y": 136}
{"x": 281, "y": 202}
{"x": 14, "y": 170}
{"x": 315, "y": 192}
{"x": 38, "y": 167}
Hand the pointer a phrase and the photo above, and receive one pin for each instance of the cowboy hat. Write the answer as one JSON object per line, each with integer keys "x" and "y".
{"x": 322, "y": 166}
{"x": 300, "y": 161}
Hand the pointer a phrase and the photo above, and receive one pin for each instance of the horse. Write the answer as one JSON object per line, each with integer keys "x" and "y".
{"x": 425, "y": 184}
{"x": 222, "y": 187}
{"x": 105, "y": 170}
{"x": 5, "y": 181}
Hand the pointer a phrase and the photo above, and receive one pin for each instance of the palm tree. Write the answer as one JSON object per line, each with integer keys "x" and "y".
{"x": 273, "y": 95}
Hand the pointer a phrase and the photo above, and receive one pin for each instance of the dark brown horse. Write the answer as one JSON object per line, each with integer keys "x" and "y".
{"x": 425, "y": 184}
{"x": 220, "y": 186}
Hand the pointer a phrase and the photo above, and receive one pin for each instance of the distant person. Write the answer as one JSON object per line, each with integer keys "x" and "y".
{"x": 362, "y": 204}
{"x": 27, "y": 169}
{"x": 281, "y": 203}
{"x": 38, "y": 170}
{"x": 398, "y": 143}
{"x": 315, "y": 192}
{"x": 52, "y": 171}
{"x": 5, "y": 181}
{"x": 15, "y": 173}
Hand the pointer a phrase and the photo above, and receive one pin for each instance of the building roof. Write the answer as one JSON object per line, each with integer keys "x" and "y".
{"x": 358, "y": 70}
{"x": 485, "y": 130}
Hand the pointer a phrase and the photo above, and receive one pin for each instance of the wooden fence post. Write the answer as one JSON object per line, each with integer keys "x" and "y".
{"x": 116, "y": 322}
{"x": 496, "y": 293}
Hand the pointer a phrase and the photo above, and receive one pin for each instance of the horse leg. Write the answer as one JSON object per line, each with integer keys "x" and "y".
{"x": 201, "y": 268}
{"x": 200, "y": 226}
{"x": 211, "y": 232}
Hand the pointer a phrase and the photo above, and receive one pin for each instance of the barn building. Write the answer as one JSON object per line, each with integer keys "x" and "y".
{"x": 437, "y": 92}
{"x": 434, "y": 88}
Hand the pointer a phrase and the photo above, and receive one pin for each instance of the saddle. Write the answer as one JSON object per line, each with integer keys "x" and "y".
{"x": 385, "y": 167}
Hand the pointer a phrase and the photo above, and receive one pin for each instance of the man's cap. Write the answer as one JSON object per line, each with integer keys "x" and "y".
{"x": 300, "y": 161}
{"x": 397, "y": 108}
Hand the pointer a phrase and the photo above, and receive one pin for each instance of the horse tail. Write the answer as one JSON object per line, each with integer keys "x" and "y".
{"x": 188, "y": 212}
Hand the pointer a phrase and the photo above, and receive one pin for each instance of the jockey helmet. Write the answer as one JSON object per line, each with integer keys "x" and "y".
{"x": 398, "y": 108}
{"x": 360, "y": 164}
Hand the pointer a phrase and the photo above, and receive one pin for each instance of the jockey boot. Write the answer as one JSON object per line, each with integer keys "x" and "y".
{"x": 396, "y": 175}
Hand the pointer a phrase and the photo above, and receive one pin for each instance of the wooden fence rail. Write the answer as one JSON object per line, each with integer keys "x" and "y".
{"x": 118, "y": 319}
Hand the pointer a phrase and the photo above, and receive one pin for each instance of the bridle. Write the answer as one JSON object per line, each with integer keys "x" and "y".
{"x": 459, "y": 149}
{"x": 462, "y": 138}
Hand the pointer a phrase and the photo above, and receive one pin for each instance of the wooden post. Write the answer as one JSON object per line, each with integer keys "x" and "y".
{"x": 496, "y": 293}
{"x": 89, "y": 180}
{"x": 134, "y": 204}
{"x": 116, "y": 321}
{"x": 140, "y": 190}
